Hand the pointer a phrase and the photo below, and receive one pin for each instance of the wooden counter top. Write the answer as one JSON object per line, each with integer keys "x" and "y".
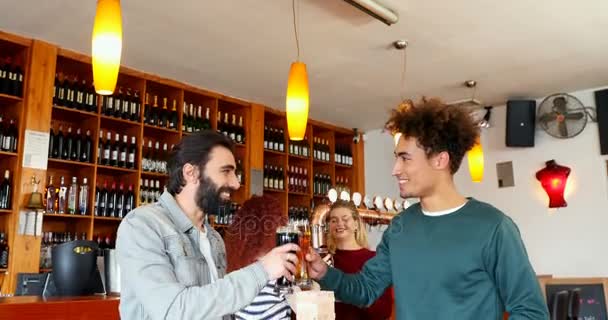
{"x": 59, "y": 308}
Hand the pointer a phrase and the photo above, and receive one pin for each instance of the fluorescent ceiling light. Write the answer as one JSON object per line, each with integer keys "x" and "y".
{"x": 376, "y": 10}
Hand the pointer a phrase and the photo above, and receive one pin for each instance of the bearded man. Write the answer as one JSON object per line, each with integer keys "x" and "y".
{"x": 172, "y": 263}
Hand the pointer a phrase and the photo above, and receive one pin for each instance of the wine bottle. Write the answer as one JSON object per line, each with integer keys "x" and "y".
{"x": 5, "y": 191}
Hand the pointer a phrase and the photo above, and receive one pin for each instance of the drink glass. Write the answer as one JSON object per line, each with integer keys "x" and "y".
{"x": 284, "y": 235}
{"x": 301, "y": 277}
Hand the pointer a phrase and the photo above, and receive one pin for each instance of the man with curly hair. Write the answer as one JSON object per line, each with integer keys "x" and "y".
{"x": 448, "y": 256}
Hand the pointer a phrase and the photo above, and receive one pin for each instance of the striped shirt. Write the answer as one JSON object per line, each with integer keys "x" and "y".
{"x": 267, "y": 305}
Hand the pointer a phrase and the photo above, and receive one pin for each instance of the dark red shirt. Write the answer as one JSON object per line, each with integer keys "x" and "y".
{"x": 352, "y": 261}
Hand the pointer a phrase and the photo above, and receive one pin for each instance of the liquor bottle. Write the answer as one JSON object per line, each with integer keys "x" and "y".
{"x": 281, "y": 140}
{"x": 126, "y": 105}
{"x": 240, "y": 135}
{"x": 51, "y": 142}
{"x": 107, "y": 106}
{"x": 90, "y": 98}
{"x": 83, "y": 198}
{"x": 72, "y": 196}
{"x": 122, "y": 156}
{"x": 132, "y": 153}
{"x": 76, "y": 146}
{"x": 69, "y": 145}
{"x": 100, "y": 148}
{"x": 135, "y": 107}
{"x": 9, "y": 142}
{"x": 61, "y": 196}
{"x": 51, "y": 197}
{"x": 55, "y": 88}
{"x": 156, "y": 162}
{"x": 239, "y": 171}
{"x": 232, "y": 128}
{"x": 205, "y": 124}
{"x": 129, "y": 201}
{"x": 120, "y": 202}
{"x": 115, "y": 150}
{"x": 111, "y": 203}
{"x": 154, "y": 114}
{"x": 185, "y": 117}
{"x": 97, "y": 206}
{"x": 118, "y": 99}
{"x": 103, "y": 200}
{"x": 147, "y": 109}
{"x": 107, "y": 149}
{"x": 173, "y": 116}
{"x": 86, "y": 148}
{"x": 80, "y": 91}
{"x": 163, "y": 116}
{"x": 3, "y": 251}
{"x": 226, "y": 125}
{"x": 5, "y": 191}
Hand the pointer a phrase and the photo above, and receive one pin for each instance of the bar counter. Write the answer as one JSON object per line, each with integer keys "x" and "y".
{"x": 60, "y": 308}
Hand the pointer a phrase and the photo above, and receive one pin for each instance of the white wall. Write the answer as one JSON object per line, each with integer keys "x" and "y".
{"x": 568, "y": 241}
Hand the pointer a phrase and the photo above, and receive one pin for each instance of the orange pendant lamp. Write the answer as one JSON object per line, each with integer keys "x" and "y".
{"x": 475, "y": 157}
{"x": 297, "y": 100}
{"x": 106, "y": 46}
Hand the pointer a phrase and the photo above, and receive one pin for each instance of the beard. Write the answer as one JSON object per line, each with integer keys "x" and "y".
{"x": 208, "y": 196}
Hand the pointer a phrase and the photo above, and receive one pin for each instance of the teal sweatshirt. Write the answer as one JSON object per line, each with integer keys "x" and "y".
{"x": 467, "y": 265}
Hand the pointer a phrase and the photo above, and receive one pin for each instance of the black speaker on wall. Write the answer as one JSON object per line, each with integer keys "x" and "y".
{"x": 601, "y": 107}
{"x": 521, "y": 121}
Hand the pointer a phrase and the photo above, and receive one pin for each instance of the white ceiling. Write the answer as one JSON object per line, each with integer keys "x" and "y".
{"x": 243, "y": 48}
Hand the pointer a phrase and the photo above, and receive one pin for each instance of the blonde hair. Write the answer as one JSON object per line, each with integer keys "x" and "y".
{"x": 360, "y": 233}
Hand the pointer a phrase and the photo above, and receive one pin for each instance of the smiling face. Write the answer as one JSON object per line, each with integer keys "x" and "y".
{"x": 342, "y": 225}
{"x": 417, "y": 173}
{"x": 218, "y": 181}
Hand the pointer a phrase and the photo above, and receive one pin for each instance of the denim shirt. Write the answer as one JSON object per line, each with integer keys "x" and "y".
{"x": 164, "y": 274}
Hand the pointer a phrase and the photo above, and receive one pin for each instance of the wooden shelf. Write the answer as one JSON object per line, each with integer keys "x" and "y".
{"x": 322, "y": 162}
{"x": 298, "y": 157}
{"x": 9, "y": 98}
{"x": 147, "y": 126}
{"x": 70, "y": 162}
{"x": 74, "y": 111}
{"x": 68, "y": 216}
{"x": 154, "y": 174}
{"x": 292, "y": 193}
{"x": 274, "y": 152}
{"x": 105, "y": 118}
{"x": 6, "y": 153}
{"x": 240, "y": 145}
{"x": 118, "y": 169}
{"x": 343, "y": 166}
{"x": 44, "y": 270}
{"x": 5, "y": 211}
{"x": 274, "y": 190}
{"x": 108, "y": 218}
{"x": 3, "y": 270}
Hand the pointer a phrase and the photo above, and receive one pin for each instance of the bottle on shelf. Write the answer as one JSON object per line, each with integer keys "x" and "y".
{"x": 4, "y": 251}
{"x": 72, "y": 196}
{"x": 51, "y": 197}
{"x": 5, "y": 191}
{"x": 83, "y": 198}
{"x": 62, "y": 196}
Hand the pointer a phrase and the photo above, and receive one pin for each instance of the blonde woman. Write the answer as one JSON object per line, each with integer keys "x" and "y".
{"x": 347, "y": 242}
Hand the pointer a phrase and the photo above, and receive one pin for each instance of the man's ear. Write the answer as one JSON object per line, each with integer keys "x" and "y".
{"x": 441, "y": 161}
{"x": 190, "y": 173}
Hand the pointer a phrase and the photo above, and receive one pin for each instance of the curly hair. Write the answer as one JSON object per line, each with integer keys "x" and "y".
{"x": 252, "y": 233}
{"x": 437, "y": 127}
